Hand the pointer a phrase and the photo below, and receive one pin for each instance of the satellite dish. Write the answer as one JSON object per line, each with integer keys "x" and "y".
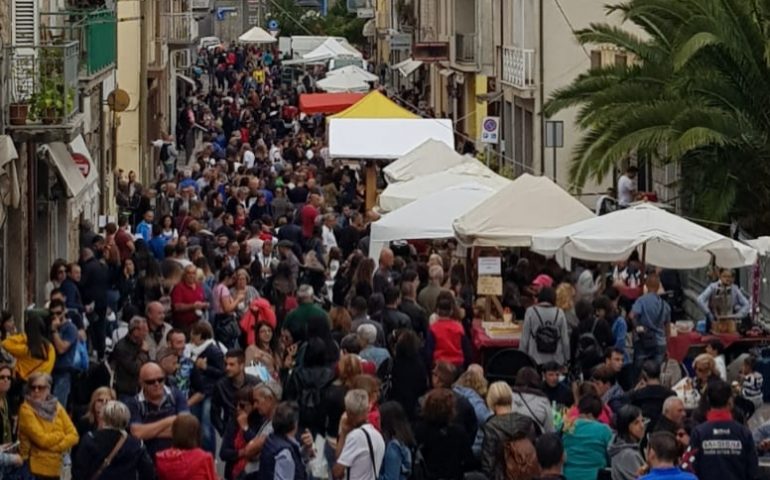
{"x": 118, "y": 100}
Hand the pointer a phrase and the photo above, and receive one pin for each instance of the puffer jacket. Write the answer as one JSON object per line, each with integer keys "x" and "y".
{"x": 176, "y": 464}
{"x": 26, "y": 364}
{"x": 482, "y": 414}
{"x": 625, "y": 459}
{"x": 535, "y": 405}
{"x": 498, "y": 430}
{"x": 42, "y": 443}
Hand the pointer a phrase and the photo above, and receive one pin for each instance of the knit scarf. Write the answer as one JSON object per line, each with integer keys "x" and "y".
{"x": 46, "y": 409}
{"x": 196, "y": 350}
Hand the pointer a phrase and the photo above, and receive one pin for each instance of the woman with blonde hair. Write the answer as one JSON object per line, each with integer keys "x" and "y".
{"x": 473, "y": 387}
{"x": 45, "y": 430}
{"x": 565, "y": 299}
{"x": 706, "y": 371}
{"x": 503, "y": 426}
{"x": 92, "y": 419}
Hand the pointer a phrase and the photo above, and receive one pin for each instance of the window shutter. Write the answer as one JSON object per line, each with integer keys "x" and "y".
{"x": 25, "y": 26}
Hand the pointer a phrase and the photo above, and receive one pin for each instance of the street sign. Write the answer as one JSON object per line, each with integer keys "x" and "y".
{"x": 365, "y": 12}
{"x": 222, "y": 12}
{"x": 401, "y": 41}
{"x": 554, "y": 134}
{"x": 490, "y": 130}
{"x": 272, "y": 25}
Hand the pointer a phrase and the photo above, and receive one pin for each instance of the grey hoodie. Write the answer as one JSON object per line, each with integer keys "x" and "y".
{"x": 537, "y": 407}
{"x": 625, "y": 459}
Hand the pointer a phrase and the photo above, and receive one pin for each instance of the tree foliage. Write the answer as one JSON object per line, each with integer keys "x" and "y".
{"x": 339, "y": 22}
{"x": 699, "y": 94}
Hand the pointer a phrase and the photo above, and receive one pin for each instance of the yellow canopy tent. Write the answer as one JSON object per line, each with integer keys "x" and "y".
{"x": 375, "y": 105}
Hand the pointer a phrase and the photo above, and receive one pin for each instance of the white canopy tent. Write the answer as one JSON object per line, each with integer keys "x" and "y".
{"x": 400, "y": 194}
{"x": 426, "y": 218}
{"x": 661, "y": 238}
{"x": 343, "y": 83}
{"x": 407, "y": 67}
{"x": 353, "y": 71}
{"x": 524, "y": 207}
{"x": 384, "y": 138}
{"x": 256, "y": 35}
{"x": 431, "y": 156}
{"x": 331, "y": 48}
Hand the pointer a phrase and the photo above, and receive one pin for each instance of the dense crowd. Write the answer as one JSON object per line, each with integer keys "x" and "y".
{"x": 232, "y": 313}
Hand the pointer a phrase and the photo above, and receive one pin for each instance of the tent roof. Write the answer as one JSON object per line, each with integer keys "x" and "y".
{"x": 353, "y": 71}
{"x": 383, "y": 138}
{"x": 407, "y": 67}
{"x": 256, "y": 35}
{"x": 376, "y": 105}
{"x": 431, "y": 156}
{"x": 399, "y": 194}
{"x": 526, "y": 206}
{"x": 327, "y": 102}
{"x": 671, "y": 241}
{"x": 331, "y": 48}
{"x": 343, "y": 83}
{"x": 428, "y": 217}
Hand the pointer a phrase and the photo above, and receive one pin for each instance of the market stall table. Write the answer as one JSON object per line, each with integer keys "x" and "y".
{"x": 679, "y": 345}
{"x": 485, "y": 345}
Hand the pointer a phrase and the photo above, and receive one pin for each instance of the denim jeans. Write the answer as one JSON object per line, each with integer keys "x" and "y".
{"x": 202, "y": 412}
{"x": 62, "y": 383}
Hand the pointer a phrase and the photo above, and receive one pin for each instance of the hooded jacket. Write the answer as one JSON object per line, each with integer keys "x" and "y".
{"x": 480, "y": 409}
{"x": 265, "y": 315}
{"x": 536, "y": 406}
{"x": 498, "y": 430}
{"x": 176, "y": 464}
{"x": 625, "y": 459}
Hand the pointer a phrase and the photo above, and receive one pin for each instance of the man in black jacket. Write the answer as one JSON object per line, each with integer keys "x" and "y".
{"x": 722, "y": 448}
{"x": 444, "y": 375}
{"x": 417, "y": 315}
{"x": 128, "y": 356}
{"x": 392, "y": 318}
{"x": 95, "y": 280}
{"x": 223, "y": 399}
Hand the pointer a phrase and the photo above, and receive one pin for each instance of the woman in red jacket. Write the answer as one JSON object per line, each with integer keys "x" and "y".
{"x": 447, "y": 341}
{"x": 185, "y": 460}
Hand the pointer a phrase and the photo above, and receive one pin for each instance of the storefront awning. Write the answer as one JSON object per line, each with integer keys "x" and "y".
{"x": 7, "y": 150}
{"x": 328, "y": 103}
{"x": 10, "y": 193}
{"x": 77, "y": 170}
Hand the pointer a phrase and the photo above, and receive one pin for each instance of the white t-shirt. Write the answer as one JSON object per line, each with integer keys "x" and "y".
{"x": 248, "y": 159}
{"x": 355, "y": 454}
{"x": 329, "y": 240}
{"x": 626, "y": 189}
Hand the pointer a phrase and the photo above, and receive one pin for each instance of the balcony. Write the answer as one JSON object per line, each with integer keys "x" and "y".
{"x": 96, "y": 33}
{"x": 519, "y": 67}
{"x": 180, "y": 29}
{"x": 465, "y": 48}
{"x": 158, "y": 54}
{"x": 43, "y": 95}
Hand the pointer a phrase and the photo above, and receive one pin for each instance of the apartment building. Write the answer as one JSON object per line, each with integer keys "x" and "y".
{"x": 58, "y": 64}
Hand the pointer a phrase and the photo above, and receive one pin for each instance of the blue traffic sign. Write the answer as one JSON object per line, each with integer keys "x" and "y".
{"x": 223, "y": 11}
{"x": 272, "y": 25}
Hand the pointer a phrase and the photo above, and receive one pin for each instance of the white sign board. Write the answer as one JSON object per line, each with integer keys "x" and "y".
{"x": 401, "y": 41}
{"x": 365, "y": 13}
{"x": 490, "y": 130}
{"x": 490, "y": 266}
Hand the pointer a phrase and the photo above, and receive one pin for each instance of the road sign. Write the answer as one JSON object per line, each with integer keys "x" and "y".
{"x": 365, "y": 13}
{"x": 490, "y": 130}
{"x": 223, "y": 11}
{"x": 401, "y": 41}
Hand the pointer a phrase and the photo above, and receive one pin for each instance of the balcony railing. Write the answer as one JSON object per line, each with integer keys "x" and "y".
{"x": 43, "y": 83}
{"x": 180, "y": 28}
{"x": 96, "y": 32}
{"x": 465, "y": 48}
{"x": 159, "y": 53}
{"x": 519, "y": 67}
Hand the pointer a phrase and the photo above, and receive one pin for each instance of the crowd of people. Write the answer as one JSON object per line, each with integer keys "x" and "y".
{"x": 232, "y": 316}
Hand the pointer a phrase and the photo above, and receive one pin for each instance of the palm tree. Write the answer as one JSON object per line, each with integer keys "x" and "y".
{"x": 699, "y": 94}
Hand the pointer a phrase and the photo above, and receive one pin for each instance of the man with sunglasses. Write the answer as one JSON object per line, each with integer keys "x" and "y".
{"x": 64, "y": 335}
{"x": 154, "y": 409}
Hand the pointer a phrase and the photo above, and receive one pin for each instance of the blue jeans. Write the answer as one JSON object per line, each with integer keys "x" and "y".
{"x": 62, "y": 383}
{"x": 202, "y": 412}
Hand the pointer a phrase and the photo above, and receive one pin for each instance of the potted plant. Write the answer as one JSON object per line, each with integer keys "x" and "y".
{"x": 52, "y": 101}
{"x": 22, "y": 84}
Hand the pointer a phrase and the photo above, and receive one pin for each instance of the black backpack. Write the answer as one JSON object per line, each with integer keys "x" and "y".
{"x": 164, "y": 156}
{"x": 546, "y": 334}
{"x": 226, "y": 330}
{"x": 310, "y": 403}
{"x": 588, "y": 348}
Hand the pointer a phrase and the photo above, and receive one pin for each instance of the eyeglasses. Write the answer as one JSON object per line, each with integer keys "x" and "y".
{"x": 38, "y": 388}
{"x": 154, "y": 381}
{"x": 5, "y": 377}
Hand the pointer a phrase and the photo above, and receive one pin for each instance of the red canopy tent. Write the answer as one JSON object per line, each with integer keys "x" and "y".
{"x": 327, "y": 102}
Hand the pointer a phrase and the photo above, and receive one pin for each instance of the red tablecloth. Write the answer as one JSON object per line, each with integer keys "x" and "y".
{"x": 679, "y": 346}
{"x": 481, "y": 340}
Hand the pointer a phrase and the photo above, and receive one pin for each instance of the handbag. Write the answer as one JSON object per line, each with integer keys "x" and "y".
{"x": 111, "y": 456}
